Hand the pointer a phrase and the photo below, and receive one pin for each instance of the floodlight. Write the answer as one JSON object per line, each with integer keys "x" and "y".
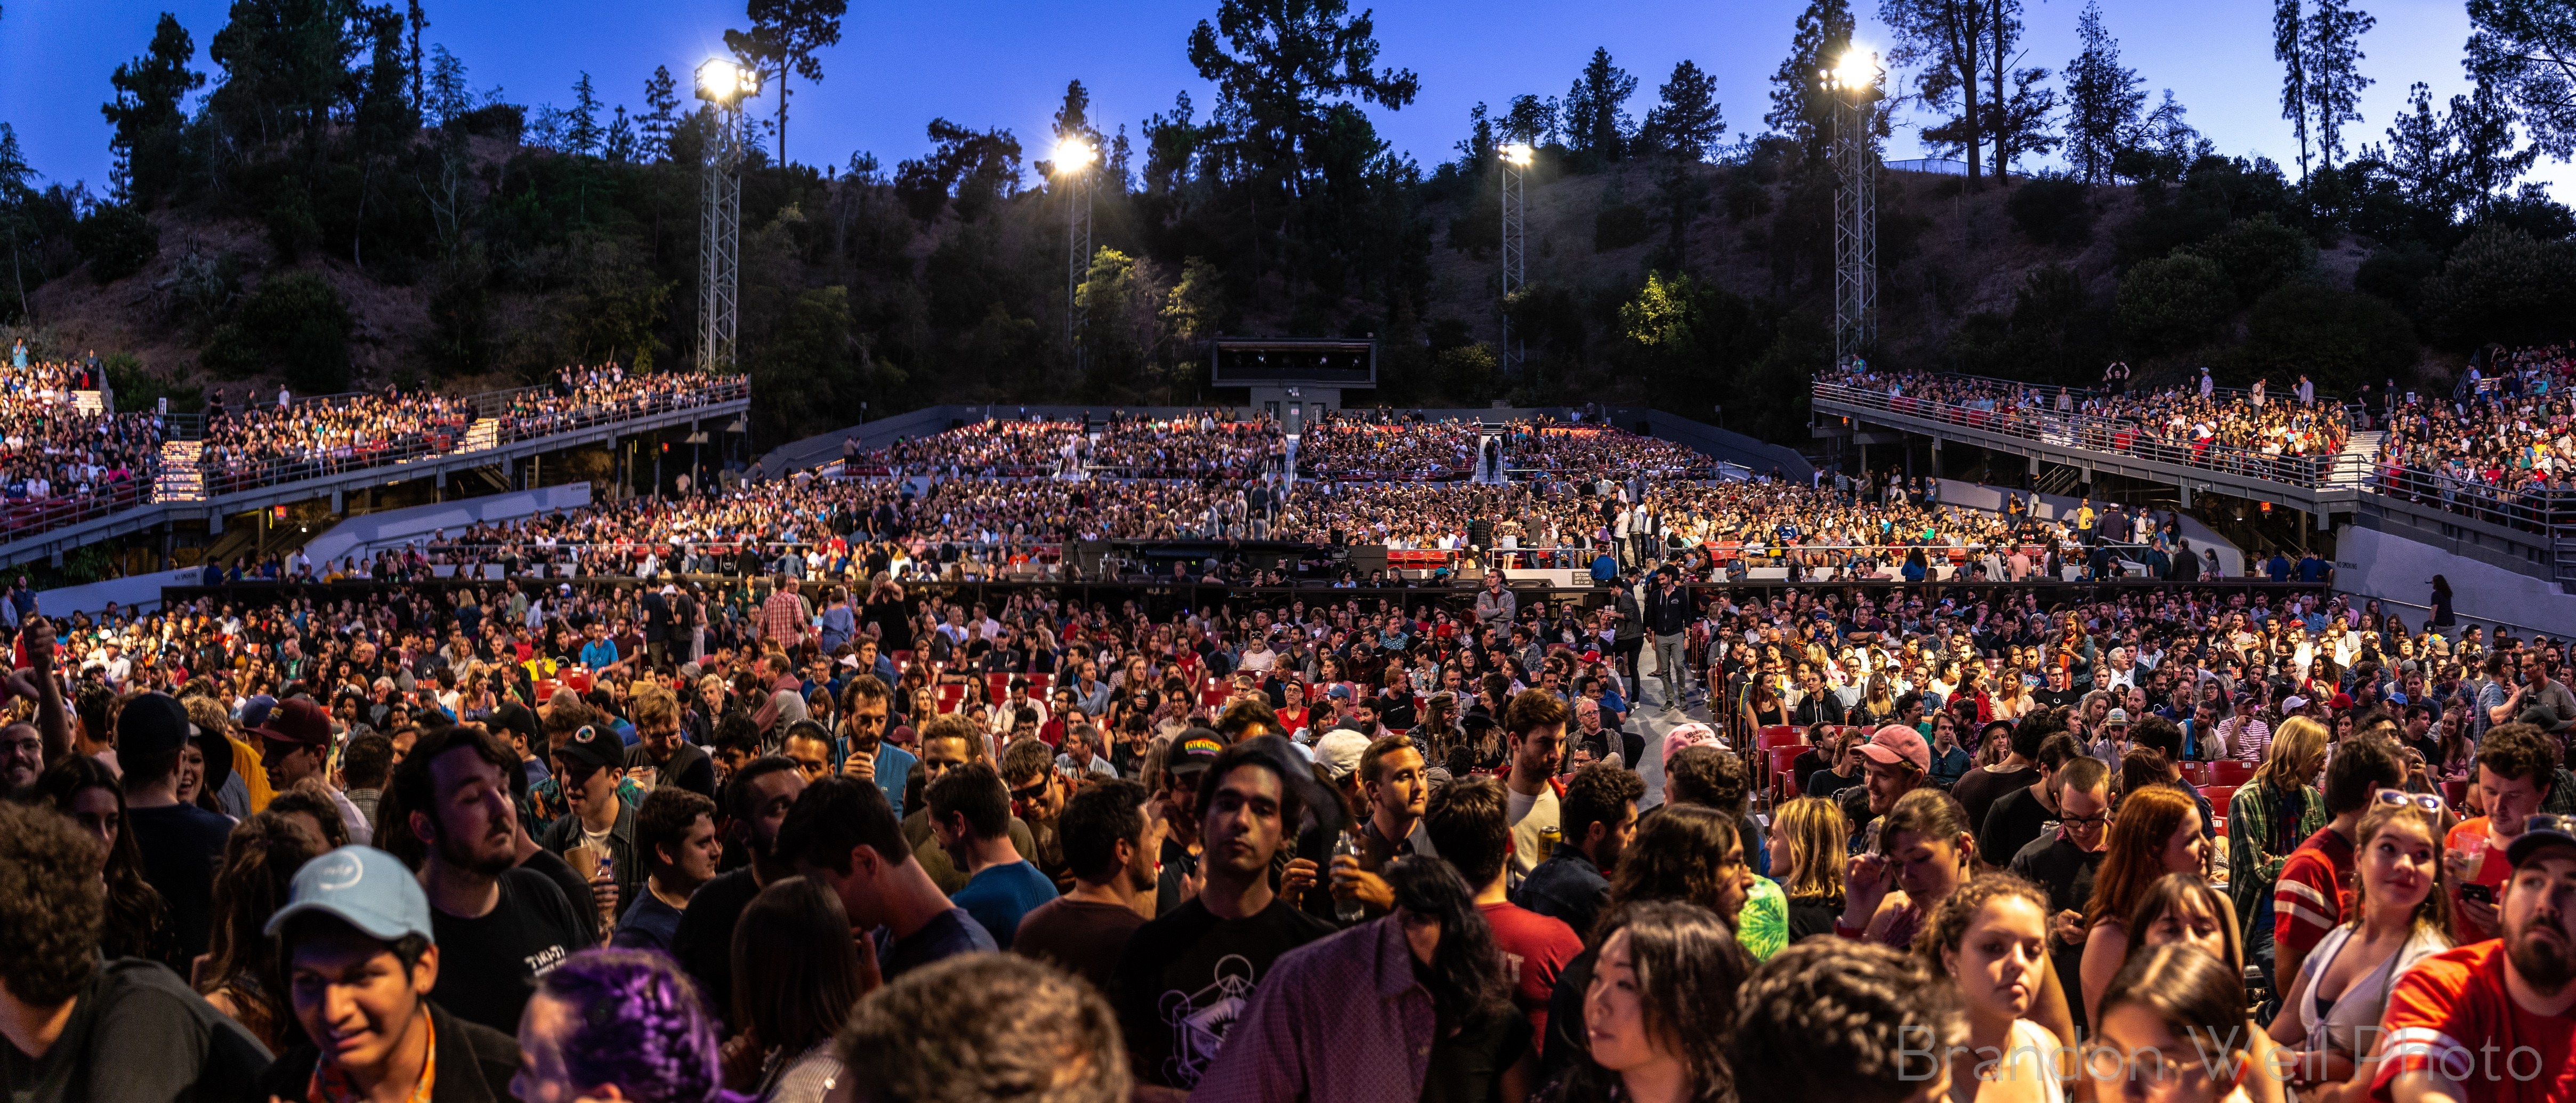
{"x": 722, "y": 81}
{"x": 1073, "y": 154}
{"x": 1518, "y": 153}
{"x": 1858, "y": 70}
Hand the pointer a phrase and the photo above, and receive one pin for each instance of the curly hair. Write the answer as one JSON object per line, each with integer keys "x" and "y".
{"x": 986, "y": 1026}
{"x": 1842, "y": 1020}
{"x": 1949, "y": 920}
{"x": 1675, "y": 857}
{"x": 52, "y": 905}
{"x": 633, "y": 1019}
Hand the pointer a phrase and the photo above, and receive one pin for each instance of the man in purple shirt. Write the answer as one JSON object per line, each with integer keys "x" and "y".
{"x": 1382, "y": 1009}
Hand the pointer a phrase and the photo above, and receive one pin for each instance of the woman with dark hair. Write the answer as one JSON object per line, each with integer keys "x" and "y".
{"x": 138, "y": 918}
{"x": 623, "y": 1019}
{"x": 2442, "y": 617}
{"x": 1684, "y": 853}
{"x": 2173, "y": 1022}
{"x": 796, "y": 974}
{"x": 1925, "y": 852}
{"x": 1483, "y": 1046}
{"x": 1652, "y": 1029}
{"x": 2180, "y": 908}
{"x": 240, "y": 970}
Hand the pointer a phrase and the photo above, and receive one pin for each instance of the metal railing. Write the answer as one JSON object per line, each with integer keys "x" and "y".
{"x": 20, "y": 519}
{"x": 2094, "y": 433}
{"x": 227, "y": 476}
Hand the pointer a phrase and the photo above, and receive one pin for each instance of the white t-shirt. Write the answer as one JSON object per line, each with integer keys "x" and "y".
{"x": 1535, "y": 828}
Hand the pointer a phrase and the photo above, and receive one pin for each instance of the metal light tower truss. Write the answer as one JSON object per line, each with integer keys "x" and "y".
{"x": 1074, "y": 156}
{"x": 1855, "y": 205}
{"x": 724, "y": 86}
{"x": 1515, "y": 183}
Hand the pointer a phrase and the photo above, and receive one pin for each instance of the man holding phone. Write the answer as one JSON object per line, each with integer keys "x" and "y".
{"x": 2515, "y": 767}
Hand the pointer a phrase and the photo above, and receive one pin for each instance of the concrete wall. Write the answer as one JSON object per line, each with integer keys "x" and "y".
{"x": 2395, "y": 569}
{"x": 132, "y": 593}
{"x": 369, "y": 533}
{"x": 2051, "y": 507}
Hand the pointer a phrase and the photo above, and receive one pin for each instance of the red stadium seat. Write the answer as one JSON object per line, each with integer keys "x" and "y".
{"x": 1783, "y": 758}
{"x": 2230, "y": 772}
{"x": 2197, "y": 773}
{"x": 2218, "y": 796}
{"x": 1777, "y": 735}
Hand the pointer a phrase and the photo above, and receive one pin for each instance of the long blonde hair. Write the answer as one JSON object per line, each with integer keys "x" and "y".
{"x": 2299, "y": 742}
{"x": 1817, "y": 836}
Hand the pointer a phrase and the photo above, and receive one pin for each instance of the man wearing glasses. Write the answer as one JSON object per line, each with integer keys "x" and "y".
{"x": 2062, "y": 862}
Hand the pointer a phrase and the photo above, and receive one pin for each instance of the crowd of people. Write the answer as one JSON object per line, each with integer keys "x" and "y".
{"x": 58, "y": 461}
{"x": 2197, "y": 424}
{"x": 2499, "y": 448}
{"x": 263, "y": 444}
{"x": 1213, "y": 446}
{"x": 786, "y": 841}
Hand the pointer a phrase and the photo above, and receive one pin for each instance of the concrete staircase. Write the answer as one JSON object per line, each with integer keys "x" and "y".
{"x": 483, "y": 435}
{"x": 181, "y": 479}
{"x": 2356, "y": 464}
{"x": 87, "y": 402}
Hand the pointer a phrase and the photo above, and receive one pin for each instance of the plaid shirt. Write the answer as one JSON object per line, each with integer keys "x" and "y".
{"x": 783, "y": 618}
{"x": 2257, "y": 845}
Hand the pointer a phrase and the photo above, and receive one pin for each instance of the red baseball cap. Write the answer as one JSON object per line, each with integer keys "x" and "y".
{"x": 1897, "y": 743}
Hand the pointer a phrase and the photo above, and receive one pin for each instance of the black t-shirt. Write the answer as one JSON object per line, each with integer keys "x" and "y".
{"x": 689, "y": 768}
{"x": 137, "y": 1031}
{"x": 1471, "y": 1055}
{"x": 486, "y": 963}
{"x": 1186, "y": 975}
{"x": 2016, "y": 818}
{"x": 2057, "y": 698}
{"x": 2065, "y": 871}
{"x": 703, "y": 944}
{"x": 181, "y": 846}
{"x": 1980, "y": 789}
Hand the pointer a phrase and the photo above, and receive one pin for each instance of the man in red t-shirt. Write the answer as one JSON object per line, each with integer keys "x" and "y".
{"x": 2515, "y": 765}
{"x": 1467, "y": 822}
{"x": 2315, "y": 890}
{"x": 2496, "y": 1020}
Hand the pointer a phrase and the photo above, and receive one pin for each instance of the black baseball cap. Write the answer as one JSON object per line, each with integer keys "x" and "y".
{"x": 153, "y": 723}
{"x": 2537, "y": 832}
{"x": 1193, "y": 751}
{"x": 593, "y": 746}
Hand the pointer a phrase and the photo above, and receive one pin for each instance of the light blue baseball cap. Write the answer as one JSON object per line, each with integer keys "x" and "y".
{"x": 362, "y": 886}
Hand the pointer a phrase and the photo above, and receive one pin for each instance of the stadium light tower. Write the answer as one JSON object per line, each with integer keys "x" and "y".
{"x": 1855, "y": 81}
{"x": 1516, "y": 158}
{"x": 724, "y": 85}
{"x": 1073, "y": 158}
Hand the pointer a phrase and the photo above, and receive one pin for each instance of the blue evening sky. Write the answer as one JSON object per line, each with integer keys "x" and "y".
{"x": 988, "y": 63}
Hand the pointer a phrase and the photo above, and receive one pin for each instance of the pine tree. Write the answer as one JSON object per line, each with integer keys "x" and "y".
{"x": 2103, "y": 98}
{"x": 1531, "y": 119}
{"x": 419, "y": 21}
{"x": 661, "y": 115}
{"x": 784, "y": 36}
{"x": 2519, "y": 54}
{"x": 449, "y": 96}
{"x": 1596, "y": 114}
{"x": 581, "y": 130}
{"x": 619, "y": 144}
{"x": 1480, "y": 142}
{"x": 2334, "y": 72}
{"x": 2289, "y": 47}
{"x": 1073, "y": 120}
{"x": 1688, "y": 122}
{"x": 1946, "y": 43}
{"x": 1801, "y": 108}
{"x": 147, "y": 112}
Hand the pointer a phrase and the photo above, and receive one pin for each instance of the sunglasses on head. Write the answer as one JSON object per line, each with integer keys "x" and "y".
{"x": 2397, "y": 798}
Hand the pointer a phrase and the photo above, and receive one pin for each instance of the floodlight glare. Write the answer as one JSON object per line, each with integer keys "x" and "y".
{"x": 1518, "y": 153}
{"x": 1073, "y": 155}
{"x": 1857, "y": 70}
{"x": 722, "y": 81}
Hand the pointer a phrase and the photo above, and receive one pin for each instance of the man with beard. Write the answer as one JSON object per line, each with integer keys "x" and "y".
{"x": 756, "y": 801}
{"x": 865, "y": 705}
{"x": 497, "y": 924}
{"x": 2496, "y": 1020}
